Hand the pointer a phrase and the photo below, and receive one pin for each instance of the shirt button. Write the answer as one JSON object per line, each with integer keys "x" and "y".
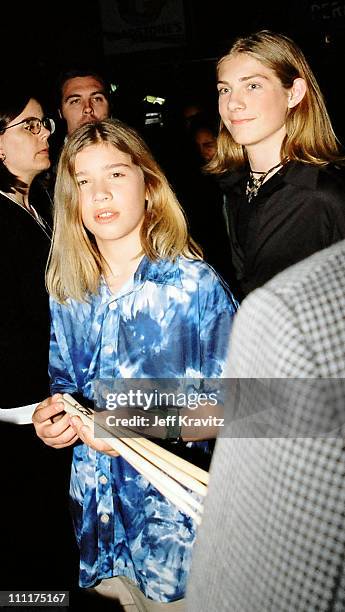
{"x": 108, "y": 349}
{"x": 112, "y": 306}
{"x": 103, "y": 479}
{"x": 105, "y": 518}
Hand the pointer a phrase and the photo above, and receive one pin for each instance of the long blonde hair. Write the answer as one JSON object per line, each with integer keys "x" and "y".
{"x": 75, "y": 263}
{"x": 309, "y": 134}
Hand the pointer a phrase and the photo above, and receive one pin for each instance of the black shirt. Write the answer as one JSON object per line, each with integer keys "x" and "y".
{"x": 299, "y": 211}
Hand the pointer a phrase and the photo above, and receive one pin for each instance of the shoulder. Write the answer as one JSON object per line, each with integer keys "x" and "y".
{"x": 331, "y": 182}
{"x": 233, "y": 179}
{"x": 321, "y": 191}
{"x": 194, "y": 268}
{"x": 324, "y": 181}
{"x": 8, "y": 210}
{"x": 21, "y": 232}
{"x": 190, "y": 280}
{"x": 293, "y": 325}
{"x": 71, "y": 309}
{"x": 198, "y": 269}
{"x": 206, "y": 279}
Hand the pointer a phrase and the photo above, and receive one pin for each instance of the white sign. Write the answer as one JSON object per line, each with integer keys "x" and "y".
{"x": 141, "y": 25}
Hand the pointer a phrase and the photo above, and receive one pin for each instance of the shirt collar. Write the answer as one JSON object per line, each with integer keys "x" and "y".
{"x": 161, "y": 271}
{"x": 232, "y": 177}
{"x": 297, "y": 173}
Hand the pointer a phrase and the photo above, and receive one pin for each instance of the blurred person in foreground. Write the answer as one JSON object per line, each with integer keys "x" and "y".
{"x": 273, "y": 530}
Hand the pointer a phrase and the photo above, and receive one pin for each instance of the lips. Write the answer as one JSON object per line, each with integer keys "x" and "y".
{"x": 89, "y": 119}
{"x": 105, "y": 215}
{"x": 241, "y": 121}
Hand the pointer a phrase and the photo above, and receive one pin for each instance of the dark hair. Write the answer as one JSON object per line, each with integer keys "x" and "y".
{"x": 75, "y": 72}
{"x": 201, "y": 121}
{"x": 12, "y": 104}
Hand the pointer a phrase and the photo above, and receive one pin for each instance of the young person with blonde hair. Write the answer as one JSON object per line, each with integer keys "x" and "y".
{"x": 131, "y": 298}
{"x": 276, "y": 159}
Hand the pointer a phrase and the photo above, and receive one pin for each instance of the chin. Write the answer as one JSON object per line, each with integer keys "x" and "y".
{"x": 44, "y": 167}
{"x": 246, "y": 141}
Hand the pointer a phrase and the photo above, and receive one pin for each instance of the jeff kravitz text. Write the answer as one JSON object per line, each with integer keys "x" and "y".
{"x": 186, "y": 421}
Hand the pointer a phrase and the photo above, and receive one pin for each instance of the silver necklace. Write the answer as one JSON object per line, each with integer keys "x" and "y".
{"x": 254, "y": 183}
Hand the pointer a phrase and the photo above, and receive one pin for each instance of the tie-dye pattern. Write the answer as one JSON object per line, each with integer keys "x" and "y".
{"x": 172, "y": 320}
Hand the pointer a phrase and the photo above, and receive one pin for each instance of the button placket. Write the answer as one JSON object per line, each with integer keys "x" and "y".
{"x": 105, "y": 505}
{"x": 105, "y": 518}
{"x": 109, "y": 342}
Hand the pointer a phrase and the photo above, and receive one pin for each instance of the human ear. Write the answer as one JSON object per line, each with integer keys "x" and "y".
{"x": 59, "y": 113}
{"x": 297, "y": 92}
{"x": 148, "y": 202}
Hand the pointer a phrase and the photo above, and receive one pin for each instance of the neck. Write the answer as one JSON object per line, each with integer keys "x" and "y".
{"x": 22, "y": 199}
{"x": 264, "y": 155}
{"x": 122, "y": 256}
{"x": 25, "y": 199}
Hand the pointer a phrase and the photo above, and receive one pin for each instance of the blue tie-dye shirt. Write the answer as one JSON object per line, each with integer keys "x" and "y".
{"x": 172, "y": 320}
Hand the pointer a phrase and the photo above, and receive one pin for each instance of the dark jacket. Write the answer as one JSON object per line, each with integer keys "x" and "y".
{"x": 24, "y": 315}
{"x": 34, "y": 477}
{"x": 297, "y": 212}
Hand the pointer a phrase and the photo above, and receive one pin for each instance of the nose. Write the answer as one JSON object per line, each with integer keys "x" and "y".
{"x": 88, "y": 108}
{"x": 101, "y": 193}
{"x": 235, "y": 101}
{"x": 44, "y": 133}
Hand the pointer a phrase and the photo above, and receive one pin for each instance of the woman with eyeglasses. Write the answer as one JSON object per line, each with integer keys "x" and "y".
{"x": 30, "y": 484}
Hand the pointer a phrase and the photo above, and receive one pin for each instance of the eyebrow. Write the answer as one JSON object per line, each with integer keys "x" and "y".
{"x": 107, "y": 167}
{"x": 78, "y": 95}
{"x": 246, "y": 78}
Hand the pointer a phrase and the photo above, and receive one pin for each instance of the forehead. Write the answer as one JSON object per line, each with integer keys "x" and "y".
{"x": 204, "y": 135}
{"x": 240, "y": 66}
{"x": 81, "y": 85}
{"x": 32, "y": 109}
{"x": 99, "y": 155}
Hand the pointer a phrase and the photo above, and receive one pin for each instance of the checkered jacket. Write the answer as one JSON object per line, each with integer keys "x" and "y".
{"x": 273, "y": 533}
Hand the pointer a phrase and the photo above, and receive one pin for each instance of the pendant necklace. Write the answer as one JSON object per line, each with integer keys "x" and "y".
{"x": 254, "y": 183}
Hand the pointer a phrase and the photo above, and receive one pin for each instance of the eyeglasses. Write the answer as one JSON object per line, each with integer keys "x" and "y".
{"x": 34, "y": 125}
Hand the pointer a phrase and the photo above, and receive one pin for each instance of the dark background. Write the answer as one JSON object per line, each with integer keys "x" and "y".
{"x": 47, "y": 37}
{"x": 40, "y": 39}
